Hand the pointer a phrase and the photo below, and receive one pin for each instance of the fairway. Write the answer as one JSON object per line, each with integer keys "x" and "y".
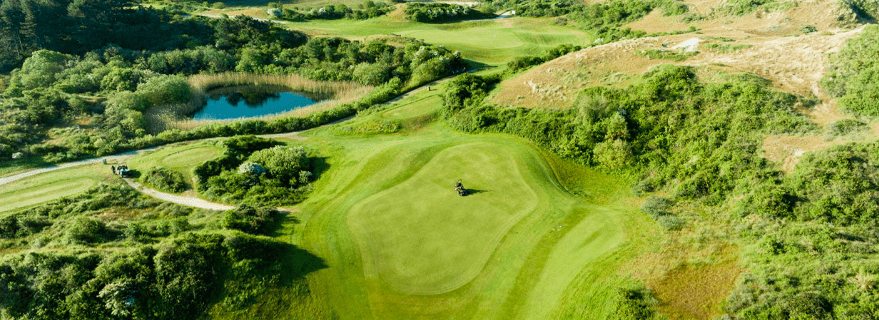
{"x": 401, "y": 244}
{"x": 493, "y": 42}
{"x": 49, "y": 186}
{"x": 181, "y": 158}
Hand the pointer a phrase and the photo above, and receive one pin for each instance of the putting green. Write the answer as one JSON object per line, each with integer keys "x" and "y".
{"x": 407, "y": 228}
{"x": 399, "y": 243}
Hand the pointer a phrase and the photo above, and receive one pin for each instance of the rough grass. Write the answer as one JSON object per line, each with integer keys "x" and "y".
{"x": 49, "y": 186}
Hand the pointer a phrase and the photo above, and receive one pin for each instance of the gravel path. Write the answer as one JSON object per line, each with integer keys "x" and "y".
{"x": 181, "y": 200}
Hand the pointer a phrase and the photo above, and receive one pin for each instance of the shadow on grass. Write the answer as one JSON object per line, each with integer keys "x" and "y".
{"x": 296, "y": 263}
{"x": 471, "y": 192}
{"x": 475, "y": 66}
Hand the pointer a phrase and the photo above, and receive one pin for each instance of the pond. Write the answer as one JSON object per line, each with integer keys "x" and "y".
{"x": 253, "y": 101}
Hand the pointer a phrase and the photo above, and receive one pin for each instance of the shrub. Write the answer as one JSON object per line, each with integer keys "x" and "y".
{"x": 845, "y": 127}
{"x": 671, "y": 222}
{"x": 657, "y": 206}
{"x": 250, "y": 219}
{"x": 283, "y": 163}
{"x": 853, "y": 73}
{"x": 634, "y": 302}
{"x": 164, "y": 179}
{"x": 86, "y": 230}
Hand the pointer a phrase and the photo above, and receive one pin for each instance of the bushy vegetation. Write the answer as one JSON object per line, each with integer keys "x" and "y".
{"x": 635, "y": 302}
{"x": 252, "y": 170}
{"x": 442, "y": 12}
{"x": 164, "y": 179}
{"x": 253, "y": 220}
{"x": 91, "y": 102}
{"x": 522, "y": 63}
{"x": 854, "y": 71}
{"x": 699, "y": 139}
{"x": 673, "y": 55}
{"x": 845, "y": 127}
{"x": 147, "y": 263}
{"x": 741, "y": 7}
{"x": 725, "y": 47}
{"x": 366, "y": 10}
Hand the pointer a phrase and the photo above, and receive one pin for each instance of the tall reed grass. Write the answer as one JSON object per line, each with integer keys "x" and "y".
{"x": 178, "y": 116}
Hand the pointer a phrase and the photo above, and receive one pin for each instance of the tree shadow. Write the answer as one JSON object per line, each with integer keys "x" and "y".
{"x": 474, "y": 66}
{"x": 296, "y": 263}
{"x": 319, "y": 165}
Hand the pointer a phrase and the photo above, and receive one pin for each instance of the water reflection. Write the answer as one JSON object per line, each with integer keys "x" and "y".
{"x": 226, "y": 103}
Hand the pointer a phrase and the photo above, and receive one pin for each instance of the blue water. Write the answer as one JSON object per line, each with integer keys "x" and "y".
{"x": 248, "y": 104}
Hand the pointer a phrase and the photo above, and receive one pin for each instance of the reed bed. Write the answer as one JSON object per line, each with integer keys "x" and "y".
{"x": 178, "y": 116}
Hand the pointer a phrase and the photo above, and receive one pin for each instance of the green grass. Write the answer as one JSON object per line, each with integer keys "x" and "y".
{"x": 492, "y": 42}
{"x": 11, "y": 167}
{"x": 401, "y": 244}
{"x": 45, "y": 187}
{"x": 181, "y": 158}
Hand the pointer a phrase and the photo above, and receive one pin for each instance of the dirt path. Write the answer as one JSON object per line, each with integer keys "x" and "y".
{"x": 181, "y": 200}
{"x": 121, "y": 157}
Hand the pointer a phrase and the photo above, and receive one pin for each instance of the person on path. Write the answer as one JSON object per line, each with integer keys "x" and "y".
{"x": 113, "y": 168}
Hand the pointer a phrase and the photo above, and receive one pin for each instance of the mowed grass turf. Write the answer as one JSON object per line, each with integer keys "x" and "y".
{"x": 45, "y": 187}
{"x": 181, "y": 157}
{"x": 399, "y": 243}
{"x": 492, "y": 42}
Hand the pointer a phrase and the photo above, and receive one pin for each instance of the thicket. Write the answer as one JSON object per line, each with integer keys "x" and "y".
{"x": 522, "y": 63}
{"x": 854, "y": 72}
{"x": 253, "y": 169}
{"x": 699, "y": 139}
{"x": 164, "y": 179}
{"x": 442, "y": 12}
{"x": 253, "y": 220}
{"x": 92, "y": 103}
{"x": 146, "y": 263}
{"x": 725, "y": 47}
{"x": 814, "y": 231}
{"x": 673, "y": 55}
{"x": 366, "y": 10}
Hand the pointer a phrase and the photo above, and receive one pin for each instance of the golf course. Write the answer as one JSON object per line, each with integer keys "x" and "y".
{"x": 400, "y": 243}
{"x": 490, "y": 159}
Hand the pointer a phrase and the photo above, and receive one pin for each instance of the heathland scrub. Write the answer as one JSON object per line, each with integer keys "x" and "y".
{"x": 400, "y": 243}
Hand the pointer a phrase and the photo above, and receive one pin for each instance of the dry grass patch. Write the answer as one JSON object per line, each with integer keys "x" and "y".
{"x": 696, "y": 292}
{"x": 161, "y": 118}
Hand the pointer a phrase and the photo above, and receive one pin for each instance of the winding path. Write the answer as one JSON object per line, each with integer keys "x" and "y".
{"x": 189, "y": 201}
{"x": 193, "y": 202}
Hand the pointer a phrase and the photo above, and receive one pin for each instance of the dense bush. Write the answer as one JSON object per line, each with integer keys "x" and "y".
{"x": 657, "y": 206}
{"x": 250, "y": 169}
{"x": 176, "y": 279}
{"x": 442, "y": 12}
{"x": 854, "y": 71}
{"x": 845, "y": 127}
{"x": 136, "y": 258}
{"x": 164, "y": 179}
{"x": 634, "y": 302}
{"x": 55, "y": 89}
{"x": 700, "y": 138}
{"x": 366, "y": 10}
{"x": 253, "y": 220}
{"x": 521, "y": 63}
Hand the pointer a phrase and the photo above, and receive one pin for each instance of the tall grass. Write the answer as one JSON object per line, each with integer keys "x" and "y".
{"x": 177, "y": 116}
